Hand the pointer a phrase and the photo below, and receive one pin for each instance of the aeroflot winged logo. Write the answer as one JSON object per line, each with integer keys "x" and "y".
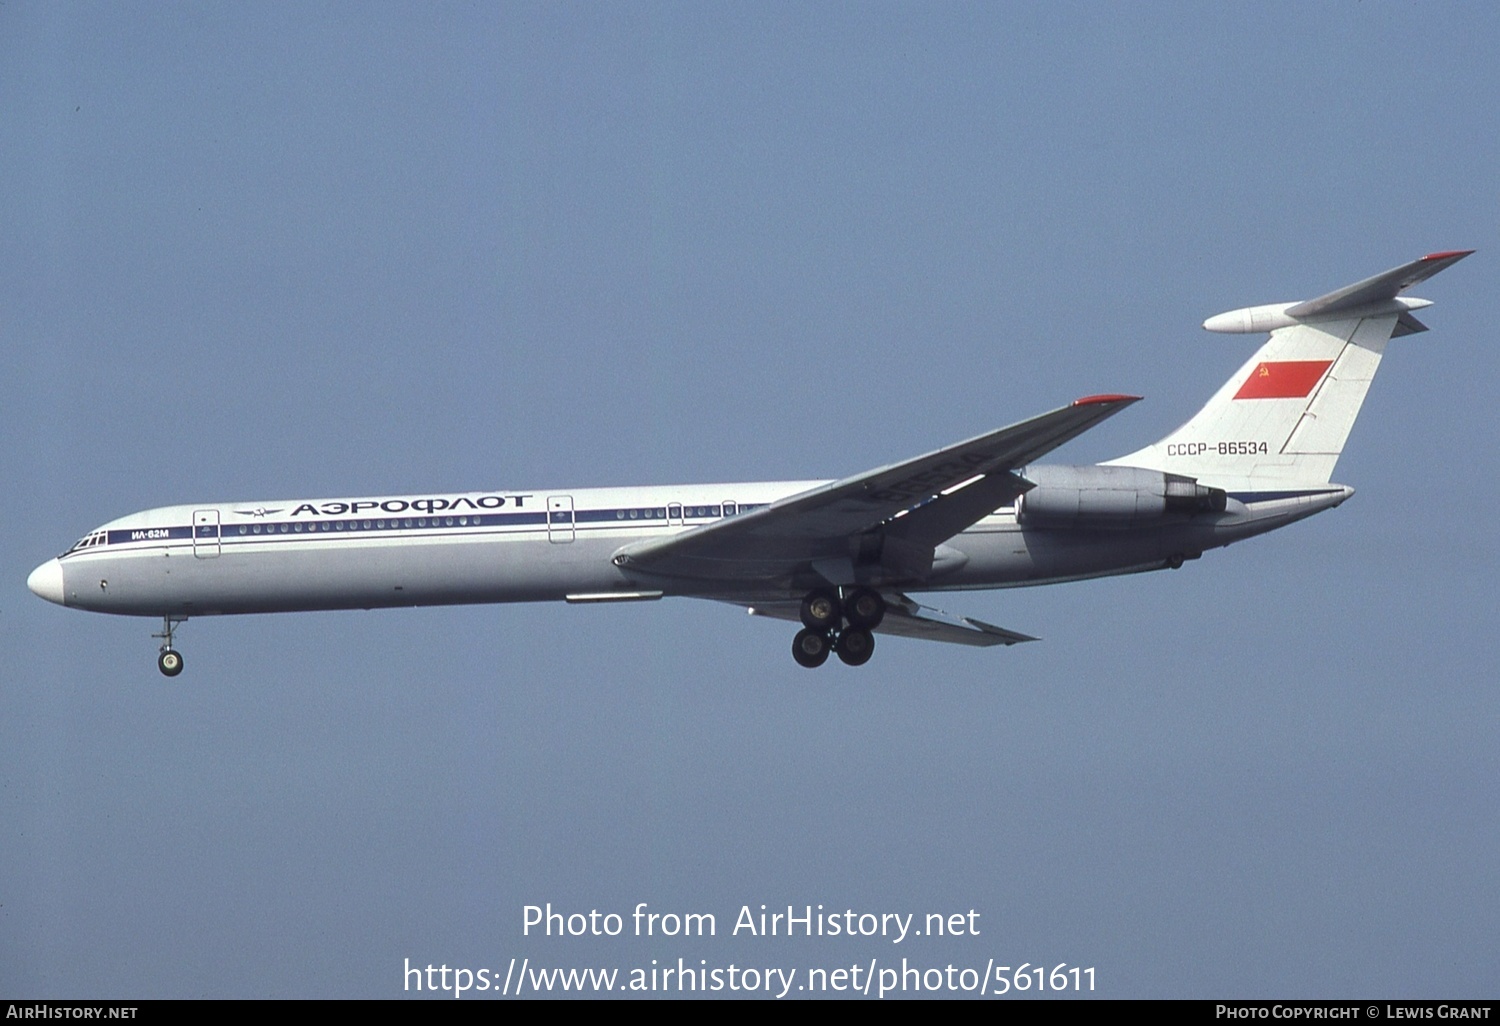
{"x": 424, "y": 505}
{"x": 1283, "y": 379}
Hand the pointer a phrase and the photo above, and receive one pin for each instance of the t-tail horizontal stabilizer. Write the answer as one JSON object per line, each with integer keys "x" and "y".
{"x": 1373, "y": 295}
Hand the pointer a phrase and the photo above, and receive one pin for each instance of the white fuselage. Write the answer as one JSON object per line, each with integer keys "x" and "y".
{"x": 508, "y": 546}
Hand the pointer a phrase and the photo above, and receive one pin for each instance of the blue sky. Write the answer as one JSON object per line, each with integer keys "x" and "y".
{"x": 252, "y": 253}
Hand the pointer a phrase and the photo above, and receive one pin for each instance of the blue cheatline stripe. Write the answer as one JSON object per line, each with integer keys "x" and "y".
{"x": 292, "y": 530}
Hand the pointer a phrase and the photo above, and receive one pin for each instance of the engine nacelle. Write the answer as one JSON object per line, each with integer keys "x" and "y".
{"x": 1111, "y": 497}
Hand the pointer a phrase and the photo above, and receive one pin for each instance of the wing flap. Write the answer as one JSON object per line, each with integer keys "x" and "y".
{"x": 907, "y": 618}
{"x": 936, "y": 521}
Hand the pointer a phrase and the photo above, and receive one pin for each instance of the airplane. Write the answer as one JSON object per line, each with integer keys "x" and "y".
{"x": 836, "y": 557}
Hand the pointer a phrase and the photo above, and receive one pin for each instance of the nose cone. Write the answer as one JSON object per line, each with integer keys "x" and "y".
{"x": 47, "y": 581}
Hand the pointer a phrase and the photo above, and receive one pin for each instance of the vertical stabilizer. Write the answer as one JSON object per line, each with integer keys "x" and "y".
{"x": 1284, "y": 416}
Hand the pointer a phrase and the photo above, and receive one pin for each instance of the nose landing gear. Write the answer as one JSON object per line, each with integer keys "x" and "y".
{"x": 169, "y": 660}
{"x": 838, "y": 621}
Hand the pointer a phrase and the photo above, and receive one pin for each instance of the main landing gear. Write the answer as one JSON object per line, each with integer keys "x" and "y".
{"x": 838, "y": 621}
{"x": 169, "y": 661}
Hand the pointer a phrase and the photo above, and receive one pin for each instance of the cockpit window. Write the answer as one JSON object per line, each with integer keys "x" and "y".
{"x": 88, "y": 541}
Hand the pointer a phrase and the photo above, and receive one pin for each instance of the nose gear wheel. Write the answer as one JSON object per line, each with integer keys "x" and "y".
{"x": 168, "y": 659}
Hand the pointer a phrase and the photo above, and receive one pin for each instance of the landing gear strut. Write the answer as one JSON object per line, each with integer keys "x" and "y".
{"x": 838, "y": 621}
{"x": 169, "y": 660}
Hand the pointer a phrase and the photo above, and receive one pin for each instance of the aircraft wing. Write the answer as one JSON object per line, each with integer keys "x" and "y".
{"x": 890, "y": 519}
{"x": 907, "y": 618}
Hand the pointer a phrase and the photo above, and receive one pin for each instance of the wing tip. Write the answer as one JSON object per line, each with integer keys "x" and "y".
{"x": 1099, "y": 400}
{"x": 1448, "y": 254}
